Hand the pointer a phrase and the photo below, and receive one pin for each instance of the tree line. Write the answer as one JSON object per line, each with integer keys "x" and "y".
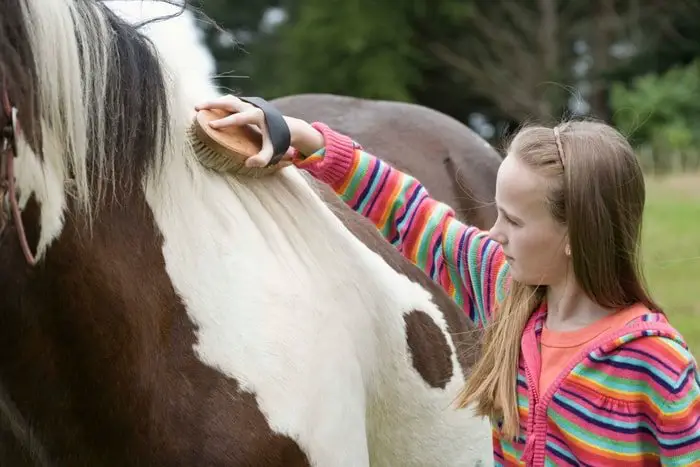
{"x": 492, "y": 64}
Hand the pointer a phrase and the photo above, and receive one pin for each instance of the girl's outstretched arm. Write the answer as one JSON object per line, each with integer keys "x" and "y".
{"x": 463, "y": 259}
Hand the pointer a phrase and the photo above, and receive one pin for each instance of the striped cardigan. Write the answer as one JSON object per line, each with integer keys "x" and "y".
{"x": 632, "y": 398}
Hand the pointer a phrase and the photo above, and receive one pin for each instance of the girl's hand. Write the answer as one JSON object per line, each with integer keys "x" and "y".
{"x": 304, "y": 137}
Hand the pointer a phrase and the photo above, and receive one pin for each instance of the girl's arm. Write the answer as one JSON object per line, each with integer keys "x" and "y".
{"x": 463, "y": 259}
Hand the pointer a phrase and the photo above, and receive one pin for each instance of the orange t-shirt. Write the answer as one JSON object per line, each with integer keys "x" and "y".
{"x": 558, "y": 348}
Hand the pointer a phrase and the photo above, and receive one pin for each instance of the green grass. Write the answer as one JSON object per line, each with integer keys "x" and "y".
{"x": 671, "y": 250}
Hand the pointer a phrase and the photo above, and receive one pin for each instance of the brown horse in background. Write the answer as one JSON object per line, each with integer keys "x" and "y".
{"x": 455, "y": 164}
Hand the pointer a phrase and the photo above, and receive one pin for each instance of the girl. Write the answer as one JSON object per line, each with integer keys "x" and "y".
{"x": 579, "y": 365}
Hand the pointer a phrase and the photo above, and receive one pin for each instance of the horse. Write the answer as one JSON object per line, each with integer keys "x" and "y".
{"x": 454, "y": 163}
{"x": 155, "y": 312}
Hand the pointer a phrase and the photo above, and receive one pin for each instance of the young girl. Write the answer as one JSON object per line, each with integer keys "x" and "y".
{"x": 579, "y": 366}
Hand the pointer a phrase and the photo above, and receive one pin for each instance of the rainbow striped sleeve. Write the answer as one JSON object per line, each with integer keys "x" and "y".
{"x": 637, "y": 405}
{"x": 463, "y": 259}
{"x": 672, "y": 394}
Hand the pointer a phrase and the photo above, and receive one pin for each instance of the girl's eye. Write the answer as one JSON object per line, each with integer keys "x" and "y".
{"x": 509, "y": 220}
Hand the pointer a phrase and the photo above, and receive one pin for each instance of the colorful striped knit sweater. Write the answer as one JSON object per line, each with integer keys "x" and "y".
{"x": 630, "y": 399}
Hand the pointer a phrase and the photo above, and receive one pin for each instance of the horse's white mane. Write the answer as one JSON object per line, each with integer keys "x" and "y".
{"x": 179, "y": 41}
{"x": 70, "y": 40}
{"x": 61, "y": 64}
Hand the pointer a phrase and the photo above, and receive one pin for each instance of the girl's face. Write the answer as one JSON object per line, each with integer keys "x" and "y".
{"x": 533, "y": 241}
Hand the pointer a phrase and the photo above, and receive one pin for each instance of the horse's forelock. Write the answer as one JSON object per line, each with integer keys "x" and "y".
{"x": 103, "y": 97}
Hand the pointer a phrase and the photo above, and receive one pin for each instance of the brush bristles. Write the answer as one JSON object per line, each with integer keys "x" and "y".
{"x": 220, "y": 159}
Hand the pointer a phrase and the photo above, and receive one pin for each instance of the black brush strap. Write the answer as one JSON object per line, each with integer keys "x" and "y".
{"x": 277, "y": 128}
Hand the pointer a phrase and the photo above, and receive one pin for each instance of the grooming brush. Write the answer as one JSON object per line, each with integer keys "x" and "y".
{"x": 227, "y": 149}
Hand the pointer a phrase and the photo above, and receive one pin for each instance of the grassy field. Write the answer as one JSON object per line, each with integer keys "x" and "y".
{"x": 671, "y": 250}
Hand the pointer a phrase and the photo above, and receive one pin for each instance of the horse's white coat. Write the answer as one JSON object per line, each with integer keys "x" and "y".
{"x": 310, "y": 321}
{"x": 286, "y": 300}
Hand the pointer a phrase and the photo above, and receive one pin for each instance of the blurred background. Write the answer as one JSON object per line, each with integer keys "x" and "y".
{"x": 495, "y": 64}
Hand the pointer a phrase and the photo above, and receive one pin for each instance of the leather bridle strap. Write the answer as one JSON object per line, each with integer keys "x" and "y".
{"x": 8, "y": 152}
{"x": 14, "y": 422}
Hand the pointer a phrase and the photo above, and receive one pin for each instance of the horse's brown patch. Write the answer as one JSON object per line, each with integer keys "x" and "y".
{"x": 96, "y": 349}
{"x": 430, "y": 353}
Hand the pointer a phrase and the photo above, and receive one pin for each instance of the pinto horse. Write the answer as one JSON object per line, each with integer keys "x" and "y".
{"x": 156, "y": 313}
